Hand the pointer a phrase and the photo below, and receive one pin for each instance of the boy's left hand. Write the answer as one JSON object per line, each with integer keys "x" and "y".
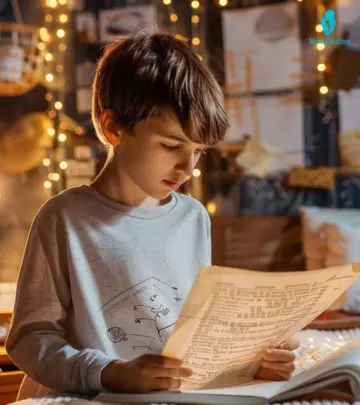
{"x": 278, "y": 363}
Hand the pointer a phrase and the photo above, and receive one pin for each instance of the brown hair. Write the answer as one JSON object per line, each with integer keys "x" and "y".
{"x": 138, "y": 75}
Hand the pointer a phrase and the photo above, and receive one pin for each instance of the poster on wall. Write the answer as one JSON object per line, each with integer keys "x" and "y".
{"x": 125, "y": 21}
{"x": 280, "y": 126}
{"x": 269, "y": 35}
{"x": 86, "y": 28}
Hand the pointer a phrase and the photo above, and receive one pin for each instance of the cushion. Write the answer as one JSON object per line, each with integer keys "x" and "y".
{"x": 331, "y": 237}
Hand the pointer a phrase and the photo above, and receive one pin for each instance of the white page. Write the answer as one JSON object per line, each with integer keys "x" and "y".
{"x": 223, "y": 345}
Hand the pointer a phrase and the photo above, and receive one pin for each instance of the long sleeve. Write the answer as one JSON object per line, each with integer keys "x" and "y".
{"x": 37, "y": 340}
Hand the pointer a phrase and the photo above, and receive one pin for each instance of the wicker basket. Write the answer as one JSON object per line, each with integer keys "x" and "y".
{"x": 21, "y": 58}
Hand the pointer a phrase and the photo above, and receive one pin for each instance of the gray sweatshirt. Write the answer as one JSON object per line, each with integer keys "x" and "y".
{"x": 102, "y": 281}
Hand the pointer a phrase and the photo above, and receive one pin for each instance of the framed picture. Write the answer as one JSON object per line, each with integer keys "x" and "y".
{"x": 125, "y": 21}
{"x": 86, "y": 28}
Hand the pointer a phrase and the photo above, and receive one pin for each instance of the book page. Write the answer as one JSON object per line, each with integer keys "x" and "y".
{"x": 232, "y": 315}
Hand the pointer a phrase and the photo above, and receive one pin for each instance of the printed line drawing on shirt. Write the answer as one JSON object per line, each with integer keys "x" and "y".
{"x": 141, "y": 318}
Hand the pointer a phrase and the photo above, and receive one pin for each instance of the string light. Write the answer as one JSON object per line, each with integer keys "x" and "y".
{"x": 167, "y": 2}
{"x": 62, "y": 47}
{"x": 51, "y": 131}
{"x": 320, "y": 47}
{"x": 324, "y": 89}
{"x": 46, "y": 162}
{"x": 319, "y": 28}
{"x": 48, "y": 97}
{"x": 49, "y": 77}
{"x": 54, "y": 176}
{"x": 60, "y": 33}
{"x": 211, "y": 208}
{"x": 47, "y": 184}
{"x": 321, "y": 67}
{"x": 48, "y": 57}
{"x": 62, "y": 138}
{"x": 63, "y": 165}
{"x": 52, "y": 114}
{"x": 196, "y": 173}
{"x": 195, "y": 19}
{"x": 173, "y": 17}
{"x": 196, "y": 41}
{"x": 63, "y": 18}
{"x": 52, "y": 3}
{"x": 223, "y": 3}
{"x": 58, "y": 105}
{"x": 63, "y": 2}
{"x": 195, "y": 4}
{"x": 48, "y": 18}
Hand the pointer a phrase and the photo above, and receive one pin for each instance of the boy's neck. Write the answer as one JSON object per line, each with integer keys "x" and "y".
{"x": 116, "y": 185}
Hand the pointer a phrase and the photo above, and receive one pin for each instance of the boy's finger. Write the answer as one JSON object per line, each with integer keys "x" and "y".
{"x": 163, "y": 384}
{"x": 279, "y": 355}
{"x": 291, "y": 344}
{"x": 288, "y": 367}
{"x": 161, "y": 361}
{"x": 162, "y": 372}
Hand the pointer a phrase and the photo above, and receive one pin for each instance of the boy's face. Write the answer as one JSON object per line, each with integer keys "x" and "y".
{"x": 157, "y": 156}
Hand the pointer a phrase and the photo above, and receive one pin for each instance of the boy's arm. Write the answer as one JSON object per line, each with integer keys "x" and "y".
{"x": 37, "y": 338}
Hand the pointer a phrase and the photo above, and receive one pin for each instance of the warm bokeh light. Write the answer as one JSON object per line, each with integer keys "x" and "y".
{"x": 58, "y": 105}
{"x": 63, "y": 18}
{"x": 62, "y": 138}
{"x": 223, "y": 3}
{"x": 48, "y": 57}
{"x": 196, "y": 41}
{"x": 60, "y": 33}
{"x": 47, "y": 184}
{"x": 195, "y": 4}
{"x": 324, "y": 89}
{"x": 319, "y": 28}
{"x": 46, "y": 162}
{"x": 195, "y": 19}
{"x": 51, "y": 131}
{"x": 321, "y": 67}
{"x": 320, "y": 47}
{"x": 49, "y": 77}
{"x": 63, "y": 165}
{"x": 173, "y": 17}
{"x": 211, "y": 207}
{"x": 196, "y": 173}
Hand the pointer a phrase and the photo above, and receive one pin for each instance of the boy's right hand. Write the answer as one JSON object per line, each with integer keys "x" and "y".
{"x": 149, "y": 372}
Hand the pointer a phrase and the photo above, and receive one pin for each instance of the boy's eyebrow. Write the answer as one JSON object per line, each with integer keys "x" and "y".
{"x": 180, "y": 138}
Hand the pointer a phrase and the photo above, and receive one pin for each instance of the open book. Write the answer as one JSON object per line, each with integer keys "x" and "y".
{"x": 231, "y": 316}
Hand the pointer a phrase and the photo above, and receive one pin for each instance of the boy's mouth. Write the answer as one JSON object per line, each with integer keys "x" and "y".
{"x": 172, "y": 184}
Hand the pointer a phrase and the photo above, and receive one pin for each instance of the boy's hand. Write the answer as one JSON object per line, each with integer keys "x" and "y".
{"x": 149, "y": 372}
{"x": 278, "y": 363}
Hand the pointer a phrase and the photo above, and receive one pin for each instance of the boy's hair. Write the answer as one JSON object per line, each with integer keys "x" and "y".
{"x": 138, "y": 75}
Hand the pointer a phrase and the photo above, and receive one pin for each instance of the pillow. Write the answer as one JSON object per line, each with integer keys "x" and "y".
{"x": 331, "y": 237}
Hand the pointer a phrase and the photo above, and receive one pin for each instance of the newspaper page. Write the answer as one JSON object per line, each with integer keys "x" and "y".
{"x": 232, "y": 315}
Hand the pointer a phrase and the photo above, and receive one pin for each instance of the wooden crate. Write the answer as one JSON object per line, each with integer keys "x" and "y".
{"x": 258, "y": 243}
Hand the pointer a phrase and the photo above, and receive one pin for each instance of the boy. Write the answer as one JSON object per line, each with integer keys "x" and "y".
{"x": 108, "y": 266}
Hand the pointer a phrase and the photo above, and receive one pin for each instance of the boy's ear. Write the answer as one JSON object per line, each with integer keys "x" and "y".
{"x": 110, "y": 128}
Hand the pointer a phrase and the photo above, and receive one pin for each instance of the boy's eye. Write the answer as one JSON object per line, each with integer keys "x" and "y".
{"x": 170, "y": 147}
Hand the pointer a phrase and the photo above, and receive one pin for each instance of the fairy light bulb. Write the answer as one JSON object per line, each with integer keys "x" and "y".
{"x": 320, "y": 47}
{"x": 211, "y": 208}
{"x": 63, "y": 18}
{"x": 173, "y": 17}
{"x": 321, "y": 67}
{"x": 223, "y": 3}
{"x": 48, "y": 57}
{"x": 49, "y": 77}
{"x": 196, "y": 41}
{"x": 46, "y": 162}
{"x": 324, "y": 89}
{"x": 167, "y": 2}
{"x": 60, "y": 33}
{"x": 58, "y": 105}
{"x": 63, "y": 165}
{"x": 195, "y": 19}
{"x": 62, "y": 138}
{"x": 48, "y": 18}
{"x": 47, "y": 184}
{"x": 195, "y": 4}
{"x": 196, "y": 173}
{"x": 319, "y": 28}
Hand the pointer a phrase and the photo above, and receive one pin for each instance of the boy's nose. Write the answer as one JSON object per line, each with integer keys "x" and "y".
{"x": 186, "y": 166}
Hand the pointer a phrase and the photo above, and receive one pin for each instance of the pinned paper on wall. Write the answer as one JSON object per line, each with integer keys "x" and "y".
{"x": 270, "y": 36}
{"x": 125, "y": 21}
{"x": 280, "y": 122}
{"x": 349, "y": 134}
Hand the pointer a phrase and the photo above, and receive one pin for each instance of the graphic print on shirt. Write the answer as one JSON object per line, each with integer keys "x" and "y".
{"x": 140, "y": 319}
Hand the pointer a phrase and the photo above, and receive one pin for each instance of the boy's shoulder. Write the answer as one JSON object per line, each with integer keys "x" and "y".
{"x": 66, "y": 200}
{"x": 191, "y": 203}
